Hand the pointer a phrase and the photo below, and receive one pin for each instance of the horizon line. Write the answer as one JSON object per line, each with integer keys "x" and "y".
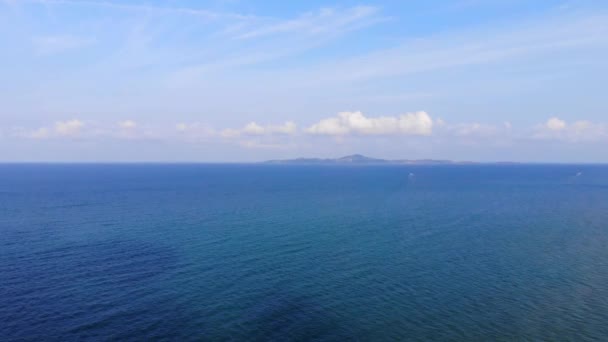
{"x": 266, "y": 162}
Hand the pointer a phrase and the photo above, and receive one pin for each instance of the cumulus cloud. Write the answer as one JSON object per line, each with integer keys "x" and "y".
{"x": 474, "y": 133}
{"x": 340, "y": 127}
{"x": 129, "y": 129}
{"x": 127, "y": 124}
{"x": 587, "y": 130}
{"x": 40, "y": 133}
{"x": 474, "y": 129}
{"x": 194, "y": 131}
{"x": 253, "y": 128}
{"x": 182, "y": 127}
{"x": 555, "y": 124}
{"x": 257, "y": 144}
{"x": 76, "y": 128}
{"x": 418, "y": 123}
{"x": 252, "y": 135}
{"x": 68, "y": 128}
{"x": 197, "y": 131}
{"x": 230, "y": 133}
{"x": 578, "y": 131}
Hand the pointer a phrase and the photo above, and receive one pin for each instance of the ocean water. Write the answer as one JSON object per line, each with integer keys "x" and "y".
{"x": 303, "y": 253}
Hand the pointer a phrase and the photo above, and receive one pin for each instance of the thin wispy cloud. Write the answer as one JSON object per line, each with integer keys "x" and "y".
{"x": 48, "y": 45}
{"x": 324, "y": 21}
{"x": 281, "y": 39}
{"x": 125, "y": 6}
{"x": 542, "y": 38}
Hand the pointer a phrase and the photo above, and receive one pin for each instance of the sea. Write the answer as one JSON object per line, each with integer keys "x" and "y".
{"x": 213, "y": 252}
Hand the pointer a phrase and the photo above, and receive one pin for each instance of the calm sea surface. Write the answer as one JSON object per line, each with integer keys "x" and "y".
{"x": 323, "y": 253}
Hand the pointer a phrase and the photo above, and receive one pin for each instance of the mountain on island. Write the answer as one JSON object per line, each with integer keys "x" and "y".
{"x": 357, "y": 159}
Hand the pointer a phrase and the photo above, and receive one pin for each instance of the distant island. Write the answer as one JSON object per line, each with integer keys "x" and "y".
{"x": 357, "y": 159}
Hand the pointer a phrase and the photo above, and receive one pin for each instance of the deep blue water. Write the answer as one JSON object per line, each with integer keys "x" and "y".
{"x": 325, "y": 253}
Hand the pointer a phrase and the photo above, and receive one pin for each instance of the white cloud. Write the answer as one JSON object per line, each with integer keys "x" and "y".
{"x": 472, "y": 132}
{"x": 578, "y": 131}
{"x": 474, "y": 129}
{"x": 68, "y": 128}
{"x": 419, "y": 123}
{"x": 128, "y": 129}
{"x": 253, "y": 128}
{"x": 340, "y": 127}
{"x": 588, "y": 131}
{"x": 230, "y": 133}
{"x": 40, "y": 133}
{"x": 182, "y": 127}
{"x": 250, "y": 136}
{"x": 195, "y": 131}
{"x": 555, "y": 124}
{"x": 256, "y": 144}
{"x": 127, "y": 124}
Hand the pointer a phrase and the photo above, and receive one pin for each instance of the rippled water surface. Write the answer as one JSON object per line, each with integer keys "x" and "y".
{"x": 236, "y": 252}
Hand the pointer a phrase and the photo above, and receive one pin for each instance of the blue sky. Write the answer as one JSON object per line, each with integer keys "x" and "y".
{"x": 238, "y": 80}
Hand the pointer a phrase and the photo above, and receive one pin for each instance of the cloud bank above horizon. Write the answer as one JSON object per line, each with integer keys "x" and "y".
{"x": 340, "y": 128}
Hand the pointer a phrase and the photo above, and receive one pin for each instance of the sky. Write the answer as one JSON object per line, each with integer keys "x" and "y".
{"x": 246, "y": 81}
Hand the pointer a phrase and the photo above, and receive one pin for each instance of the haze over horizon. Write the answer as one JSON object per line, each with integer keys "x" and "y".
{"x": 246, "y": 81}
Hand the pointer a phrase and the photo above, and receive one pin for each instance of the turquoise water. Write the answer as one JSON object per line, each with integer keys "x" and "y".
{"x": 331, "y": 253}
